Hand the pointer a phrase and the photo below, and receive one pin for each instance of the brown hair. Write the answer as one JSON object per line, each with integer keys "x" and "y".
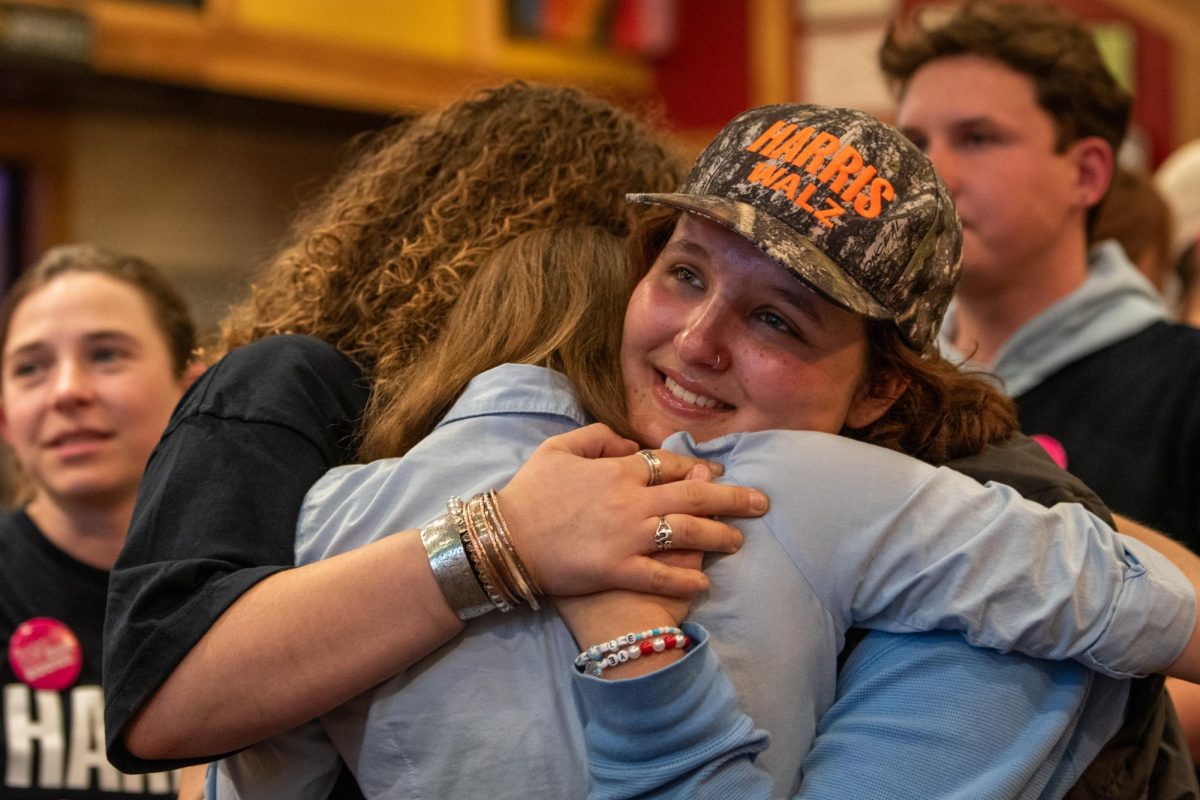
{"x": 943, "y": 413}
{"x": 1136, "y": 214}
{"x": 554, "y": 297}
{"x": 1057, "y": 54}
{"x": 167, "y": 306}
{"x": 374, "y": 265}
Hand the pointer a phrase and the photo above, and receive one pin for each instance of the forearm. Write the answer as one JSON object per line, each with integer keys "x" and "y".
{"x": 296, "y": 645}
{"x": 929, "y": 549}
{"x": 302, "y": 641}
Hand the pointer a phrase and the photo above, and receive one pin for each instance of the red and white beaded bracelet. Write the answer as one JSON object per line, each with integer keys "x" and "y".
{"x": 630, "y": 647}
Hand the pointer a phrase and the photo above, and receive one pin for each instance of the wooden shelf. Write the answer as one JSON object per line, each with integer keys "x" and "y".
{"x": 215, "y": 48}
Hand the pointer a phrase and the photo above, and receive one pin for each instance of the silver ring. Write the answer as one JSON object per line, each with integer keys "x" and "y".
{"x": 654, "y": 465}
{"x": 663, "y": 534}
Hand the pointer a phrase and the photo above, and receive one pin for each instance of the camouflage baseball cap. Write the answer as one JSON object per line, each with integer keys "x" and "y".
{"x": 842, "y": 201}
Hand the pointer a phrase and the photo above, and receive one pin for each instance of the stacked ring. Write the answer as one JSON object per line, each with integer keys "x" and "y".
{"x": 654, "y": 465}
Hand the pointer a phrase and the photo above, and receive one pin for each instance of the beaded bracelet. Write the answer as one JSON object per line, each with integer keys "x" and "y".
{"x": 630, "y": 647}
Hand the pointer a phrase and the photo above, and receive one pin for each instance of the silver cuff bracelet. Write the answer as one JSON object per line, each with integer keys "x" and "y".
{"x": 452, "y": 570}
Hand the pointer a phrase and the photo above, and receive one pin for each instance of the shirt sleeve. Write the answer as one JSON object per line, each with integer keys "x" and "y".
{"x": 920, "y": 716}
{"x": 217, "y": 508}
{"x": 675, "y": 732}
{"x": 890, "y": 543}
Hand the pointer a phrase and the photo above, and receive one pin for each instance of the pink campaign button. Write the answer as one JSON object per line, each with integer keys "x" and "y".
{"x": 45, "y": 654}
{"x": 1053, "y": 447}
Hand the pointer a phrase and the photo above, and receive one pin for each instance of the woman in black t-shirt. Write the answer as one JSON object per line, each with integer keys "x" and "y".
{"x": 94, "y": 352}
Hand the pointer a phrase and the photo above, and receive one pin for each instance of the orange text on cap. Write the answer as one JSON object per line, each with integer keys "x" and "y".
{"x": 840, "y": 167}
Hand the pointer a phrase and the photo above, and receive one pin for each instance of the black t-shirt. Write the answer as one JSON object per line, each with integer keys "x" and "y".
{"x": 1128, "y": 417}
{"x": 218, "y": 505}
{"x": 52, "y": 739}
{"x": 1024, "y": 465}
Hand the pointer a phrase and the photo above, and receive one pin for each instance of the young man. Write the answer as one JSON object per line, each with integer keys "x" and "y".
{"x": 1021, "y": 117}
{"x": 1017, "y": 111}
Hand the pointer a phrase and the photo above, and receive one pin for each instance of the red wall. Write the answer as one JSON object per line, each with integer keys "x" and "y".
{"x": 705, "y": 79}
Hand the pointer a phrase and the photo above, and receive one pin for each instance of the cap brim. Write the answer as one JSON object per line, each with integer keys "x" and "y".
{"x": 795, "y": 253}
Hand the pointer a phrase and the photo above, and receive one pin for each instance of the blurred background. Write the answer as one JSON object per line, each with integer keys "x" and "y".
{"x": 188, "y": 131}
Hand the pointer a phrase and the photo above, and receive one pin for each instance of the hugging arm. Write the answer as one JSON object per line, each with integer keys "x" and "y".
{"x": 1108, "y": 563}
{"x": 216, "y": 514}
{"x": 916, "y": 716}
{"x": 931, "y": 549}
{"x": 308, "y": 622}
{"x": 927, "y": 549}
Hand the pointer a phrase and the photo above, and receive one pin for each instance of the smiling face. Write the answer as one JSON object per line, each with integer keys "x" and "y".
{"x": 721, "y": 339}
{"x": 87, "y": 388}
{"x": 1019, "y": 198}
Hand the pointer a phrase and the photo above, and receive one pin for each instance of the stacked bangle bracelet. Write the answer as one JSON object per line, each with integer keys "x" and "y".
{"x": 630, "y": 647}
{"x": 474, "y": 561}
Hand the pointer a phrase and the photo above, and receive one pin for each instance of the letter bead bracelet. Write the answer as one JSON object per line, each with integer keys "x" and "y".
{"x": 630, "y": 647}
{"x": 474, "y": 561}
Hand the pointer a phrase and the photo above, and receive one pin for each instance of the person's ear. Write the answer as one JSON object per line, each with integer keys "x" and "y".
{"x": 1094, "y": 162}
{"x": 191, "y": 372}
{"x": 873, "y": 399}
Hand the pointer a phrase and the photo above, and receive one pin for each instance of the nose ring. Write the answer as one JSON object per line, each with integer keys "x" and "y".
{"x": 717, "y": 363}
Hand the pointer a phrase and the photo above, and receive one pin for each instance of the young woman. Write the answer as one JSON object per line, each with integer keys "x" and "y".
{"x": 720, "y": 339}
{"x": 915, "y": 716}
{"x": 94, "y": 354}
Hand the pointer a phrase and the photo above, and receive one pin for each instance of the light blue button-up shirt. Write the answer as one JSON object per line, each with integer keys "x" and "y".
{"x": 856, "y": 534}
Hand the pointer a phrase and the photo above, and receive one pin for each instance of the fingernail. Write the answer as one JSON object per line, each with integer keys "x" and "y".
{"x": 758, "y": 501}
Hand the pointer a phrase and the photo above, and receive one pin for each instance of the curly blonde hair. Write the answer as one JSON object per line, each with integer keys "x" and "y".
{"x": 374, "y": 265}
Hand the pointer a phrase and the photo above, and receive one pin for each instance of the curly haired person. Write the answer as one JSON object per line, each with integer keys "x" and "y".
{"x": 203, "y": 601}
